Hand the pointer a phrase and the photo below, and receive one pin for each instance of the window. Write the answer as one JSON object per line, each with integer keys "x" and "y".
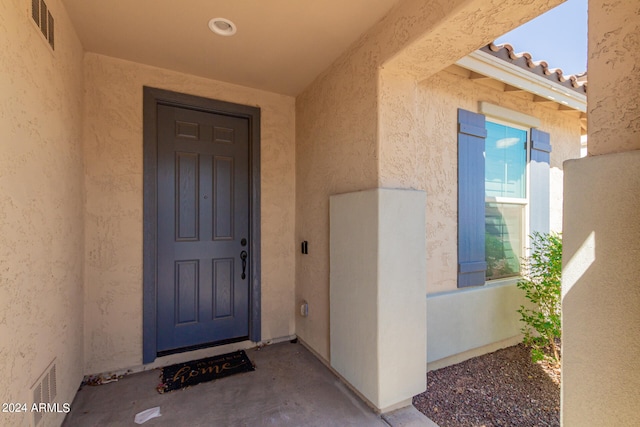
{"x": 498, "y": 206}
{"x": 505, "y": 199}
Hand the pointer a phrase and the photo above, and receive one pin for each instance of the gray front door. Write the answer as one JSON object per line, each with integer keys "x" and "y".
{"x": 203, "y": 225}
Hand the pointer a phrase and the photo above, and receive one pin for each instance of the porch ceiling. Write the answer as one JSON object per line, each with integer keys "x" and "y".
{"x": 280, "y": 45}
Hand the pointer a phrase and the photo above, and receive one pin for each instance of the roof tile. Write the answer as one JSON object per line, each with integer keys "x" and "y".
{"x": 524, "y": 60}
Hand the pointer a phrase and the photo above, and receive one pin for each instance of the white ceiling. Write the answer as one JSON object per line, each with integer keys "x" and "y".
{"x": 280, "y": 46}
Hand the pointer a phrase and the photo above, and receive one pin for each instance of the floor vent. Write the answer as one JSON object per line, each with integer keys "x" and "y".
{"x": 44, "y": 20}
{"x": 45, "y": 391}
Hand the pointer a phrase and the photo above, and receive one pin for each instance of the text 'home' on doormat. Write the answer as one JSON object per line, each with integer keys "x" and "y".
{"x": 187, "y": 374}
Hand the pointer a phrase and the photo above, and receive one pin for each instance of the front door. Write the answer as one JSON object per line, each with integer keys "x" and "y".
{"x": 203, "y": 228}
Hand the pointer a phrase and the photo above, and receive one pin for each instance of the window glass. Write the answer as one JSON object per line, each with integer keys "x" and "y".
{"x": 505, "y": 161}
{"x": 504, "y": 239}
{"x": 505, "y": 177}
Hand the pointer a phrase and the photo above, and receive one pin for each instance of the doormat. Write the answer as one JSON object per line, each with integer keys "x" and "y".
{"x": 187, "y": 374}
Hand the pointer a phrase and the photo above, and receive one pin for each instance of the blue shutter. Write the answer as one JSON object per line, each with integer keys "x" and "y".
{"x": 471, "y": 259}
{"x": 539, "y": 172}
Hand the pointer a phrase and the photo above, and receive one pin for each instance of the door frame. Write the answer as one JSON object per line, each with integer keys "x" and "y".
{"x": 152, "y": 97}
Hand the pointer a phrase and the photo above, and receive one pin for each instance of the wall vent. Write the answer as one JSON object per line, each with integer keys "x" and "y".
{"x": 44, "y": 20}
{"x": 44, "y": 390}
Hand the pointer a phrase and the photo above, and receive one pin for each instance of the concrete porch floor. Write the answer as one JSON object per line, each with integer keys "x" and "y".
{"x": 289, "y": 387}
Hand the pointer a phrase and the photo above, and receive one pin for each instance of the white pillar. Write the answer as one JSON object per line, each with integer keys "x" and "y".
{"x": 601, "y": 291}
{"x": 601, "y": 260}
{"x": 378, "y": 294}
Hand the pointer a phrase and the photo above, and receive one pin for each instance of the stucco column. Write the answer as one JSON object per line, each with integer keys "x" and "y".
{"x": 601, "y": 261}
{"x": 378, "y": 306}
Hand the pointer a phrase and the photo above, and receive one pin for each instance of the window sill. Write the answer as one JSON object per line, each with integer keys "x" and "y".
{"x": 502, "y": 282}
{"x": 510, "y": 281}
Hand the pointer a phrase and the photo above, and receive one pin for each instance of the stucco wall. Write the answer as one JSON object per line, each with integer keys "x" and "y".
{"x": 333, "y": 155}
{"x": 614, "y": 88}
{"x": 436, "y": 160}
{"x": 600, "y": 292}
{"x": 338, "y": 139}
{"x": 113, "y": 168}
{"x": 460, "y": 321}
{"x": 41, "y": 207}
{"x": 337, "y": 147}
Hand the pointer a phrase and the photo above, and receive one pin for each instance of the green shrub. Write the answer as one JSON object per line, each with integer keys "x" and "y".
{"x": 541, "y": 281}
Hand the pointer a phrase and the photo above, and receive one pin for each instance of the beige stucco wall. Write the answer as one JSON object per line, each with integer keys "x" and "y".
{"x": 601, "y": 292}
{"x": 436, "y": 159}
{"x": 41, "y": 201}
{"x": 454, "y": 30}
{"x": 333, "y": 155}
{"x": 463, "y": 321}
{"x": 601, "y": 296}
{"x": 337, "y": 147}
{"x": 339, "y": 120}
{"x": 113, "y": 168}
{"x": 460, "y": 321}
{"x": 614, "y": 88}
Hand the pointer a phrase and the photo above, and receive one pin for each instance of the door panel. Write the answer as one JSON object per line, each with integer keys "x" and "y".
{"x": 223, "y": 198}
{"x": 187, "y": 173}
{"x": 223, "y": 288}
{"x": 187, "y": 291}
{"x": 203, "y": 214}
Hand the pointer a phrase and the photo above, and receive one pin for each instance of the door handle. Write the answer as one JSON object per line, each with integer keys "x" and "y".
{"x": 243, "y": 257}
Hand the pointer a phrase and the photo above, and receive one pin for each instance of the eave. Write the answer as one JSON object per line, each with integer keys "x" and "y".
{"x": 517, "y": 78}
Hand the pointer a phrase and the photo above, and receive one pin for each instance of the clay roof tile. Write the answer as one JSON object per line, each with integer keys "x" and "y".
{"x": 507, "y": 53}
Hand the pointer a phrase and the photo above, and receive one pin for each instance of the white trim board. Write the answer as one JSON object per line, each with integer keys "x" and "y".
{"x": 490, "y": 66}
{"x": 509, "y": 115}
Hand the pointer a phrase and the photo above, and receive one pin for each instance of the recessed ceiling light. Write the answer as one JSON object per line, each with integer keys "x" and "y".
{"x": 222, "y": 26}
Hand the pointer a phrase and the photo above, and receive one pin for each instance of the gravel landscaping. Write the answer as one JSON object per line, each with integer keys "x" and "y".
{"x": 503, "y": 388}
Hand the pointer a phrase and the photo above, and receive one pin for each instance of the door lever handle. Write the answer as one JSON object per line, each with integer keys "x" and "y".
{"x": 243, "y": 257}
